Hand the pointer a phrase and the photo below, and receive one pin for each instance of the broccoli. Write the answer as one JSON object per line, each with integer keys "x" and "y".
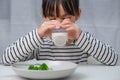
{"x": 43, "y": 66}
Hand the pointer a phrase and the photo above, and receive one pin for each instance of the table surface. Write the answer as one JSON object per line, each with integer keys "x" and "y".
{"x": 83, "y": 72}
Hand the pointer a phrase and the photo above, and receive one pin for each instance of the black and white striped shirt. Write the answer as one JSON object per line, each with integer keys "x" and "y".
{"x": 32, "y": 46}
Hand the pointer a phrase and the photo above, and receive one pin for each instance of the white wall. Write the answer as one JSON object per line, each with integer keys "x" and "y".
{"x": 99, "y": 17}
{"x": 102, "y": 18}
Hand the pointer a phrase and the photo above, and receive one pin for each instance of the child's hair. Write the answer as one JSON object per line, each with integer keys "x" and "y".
{"x": 50, "y": 7}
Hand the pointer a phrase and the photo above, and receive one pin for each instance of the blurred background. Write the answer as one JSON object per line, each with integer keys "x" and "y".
{"x": 99, "y": 17}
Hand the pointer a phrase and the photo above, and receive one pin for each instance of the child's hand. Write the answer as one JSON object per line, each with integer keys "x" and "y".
{"x": 46, "y": 28}
{"x": 72, "y": 29}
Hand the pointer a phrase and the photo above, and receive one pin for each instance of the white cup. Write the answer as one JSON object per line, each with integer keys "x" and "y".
{"x": 59, "y": 37}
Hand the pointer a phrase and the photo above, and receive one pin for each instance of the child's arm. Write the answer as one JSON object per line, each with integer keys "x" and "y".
{"x": 100, "y": 51}
{"x": 23, "y": 49}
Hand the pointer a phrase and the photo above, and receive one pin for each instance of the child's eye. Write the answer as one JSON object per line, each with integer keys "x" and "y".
{"x": 52, "y": 18}
{"x": 66, "y": 18}
{"x": 63, "y": 18}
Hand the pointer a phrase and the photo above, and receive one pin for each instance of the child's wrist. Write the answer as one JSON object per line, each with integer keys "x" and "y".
{"x": 78, "y": 35}
{"x": 40, "y": 35}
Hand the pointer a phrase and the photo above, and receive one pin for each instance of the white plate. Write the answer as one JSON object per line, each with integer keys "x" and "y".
{"x": 61, "y": 69}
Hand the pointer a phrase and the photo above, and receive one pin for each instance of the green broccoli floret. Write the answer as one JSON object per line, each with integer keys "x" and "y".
{"x": 43, "y": 66}
{"x": 35, "y": 68}
{"x": 31, "y": 67}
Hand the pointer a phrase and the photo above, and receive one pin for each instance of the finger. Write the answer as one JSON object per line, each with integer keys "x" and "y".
{"x": 58, "y": 26}
{"x": 53, "y": 22}
{"x": 66, "y": 21}
{"x": 56, "y": 22}
{"x": 49, "y": 23}
{"x": 65, "y": 26}
{"x": 51, "y": 27}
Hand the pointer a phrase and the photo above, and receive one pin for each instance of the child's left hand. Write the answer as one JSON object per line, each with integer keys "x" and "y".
{"x": 72, "y": 29}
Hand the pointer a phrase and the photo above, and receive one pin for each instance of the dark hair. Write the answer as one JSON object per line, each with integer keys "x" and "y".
{"x": 49, "y": 7}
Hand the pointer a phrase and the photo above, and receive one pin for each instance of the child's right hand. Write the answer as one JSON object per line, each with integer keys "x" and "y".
{"x": 46, "y": 28}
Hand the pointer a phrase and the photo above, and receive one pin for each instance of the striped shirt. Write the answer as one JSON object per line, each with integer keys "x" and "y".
{"x": 32, "y": 46}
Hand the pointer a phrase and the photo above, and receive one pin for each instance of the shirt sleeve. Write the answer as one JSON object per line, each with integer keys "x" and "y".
{"x": 102, "y": 52}
{"x": 22, "y": 49}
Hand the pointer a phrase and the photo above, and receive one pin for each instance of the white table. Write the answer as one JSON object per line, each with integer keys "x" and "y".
{"x": 83, "y": 72}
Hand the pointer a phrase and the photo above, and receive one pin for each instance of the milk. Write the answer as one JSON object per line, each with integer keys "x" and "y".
{"x": 59, "y": 37}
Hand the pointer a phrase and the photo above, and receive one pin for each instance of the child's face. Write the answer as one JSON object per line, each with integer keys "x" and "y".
{"x": 63, "y": 15}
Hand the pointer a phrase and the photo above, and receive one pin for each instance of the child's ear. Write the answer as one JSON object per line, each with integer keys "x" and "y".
{"x": 78, "y": 14}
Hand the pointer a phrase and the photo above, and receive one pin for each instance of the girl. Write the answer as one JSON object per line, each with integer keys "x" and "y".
{"x": 59, "y": 14}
